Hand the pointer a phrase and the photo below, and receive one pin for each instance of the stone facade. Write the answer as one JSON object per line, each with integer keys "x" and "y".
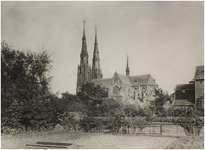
{"x": 139, "y": 90}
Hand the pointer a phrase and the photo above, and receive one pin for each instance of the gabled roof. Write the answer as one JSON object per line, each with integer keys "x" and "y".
{"x": 185, "y": 87}
{"x": 199, "y": 74}
{"x": 142, "y": 80}
{"x": 103, "y": 82}
{"x": 124, "y": 79}
{"x": 129, "y": 80}
{"x": 182, "y": 103}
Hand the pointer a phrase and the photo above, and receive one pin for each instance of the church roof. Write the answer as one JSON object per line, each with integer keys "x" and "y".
{"x": 199, "y": 74}
{"x": 142, "y": 80}
{"x": 124, "y": 79}
{"x": 131, "y": 80}
{"x": 104, "y": 82}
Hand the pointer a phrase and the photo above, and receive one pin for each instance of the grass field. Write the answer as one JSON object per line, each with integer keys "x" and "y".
{"x": 82, "y": 140}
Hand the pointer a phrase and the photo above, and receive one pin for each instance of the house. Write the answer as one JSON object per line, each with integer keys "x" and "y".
{"x": 184, "y": 96}
{"x": 192, "y": 94}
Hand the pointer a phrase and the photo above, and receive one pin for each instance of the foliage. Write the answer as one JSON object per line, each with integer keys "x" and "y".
{"x": 156, "y": 106}
{"x": 25, "y": 88}
{"x": 95, "y": 98}
{"x": 68, "y": 121}
{"x": 71, "y": 103}
{"x": 91, "y": 93}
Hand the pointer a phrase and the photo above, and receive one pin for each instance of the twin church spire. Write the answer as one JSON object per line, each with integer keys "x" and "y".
{"x": 85, "y": 73}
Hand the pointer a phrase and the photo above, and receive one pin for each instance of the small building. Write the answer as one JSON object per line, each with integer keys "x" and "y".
{"x": 192, "y": 94}
{"x": 184, "y": 96}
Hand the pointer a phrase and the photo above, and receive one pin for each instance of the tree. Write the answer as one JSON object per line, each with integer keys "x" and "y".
{"x": 157, "y": 104}
{"x": 92, "y": 96}
{"x": 70, "y": 102}
{"x": 25, "y": 87}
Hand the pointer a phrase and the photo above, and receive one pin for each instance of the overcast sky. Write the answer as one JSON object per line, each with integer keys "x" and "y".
{"x": 164, "y": 39}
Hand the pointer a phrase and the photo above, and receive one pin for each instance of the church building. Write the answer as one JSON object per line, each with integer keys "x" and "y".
{"x": 139, "y": 90}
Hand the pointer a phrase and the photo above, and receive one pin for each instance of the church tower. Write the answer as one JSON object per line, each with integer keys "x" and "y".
{"x": 96, "y": 71}
{"x": 84, "y": 69}
{"x": 127, "y": 69}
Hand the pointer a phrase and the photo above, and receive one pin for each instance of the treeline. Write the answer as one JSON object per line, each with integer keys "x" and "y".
{"x": 27, "y": 102}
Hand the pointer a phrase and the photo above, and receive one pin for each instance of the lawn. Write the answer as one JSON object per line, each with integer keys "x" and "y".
{"x": 82, "y": 140}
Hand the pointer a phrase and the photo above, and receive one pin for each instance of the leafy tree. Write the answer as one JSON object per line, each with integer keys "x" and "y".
{"x": 157, "y": 105}
{"x": 25, "y": 87}
{"x": 92, "y": 96}
{"x": 70, "y": 102}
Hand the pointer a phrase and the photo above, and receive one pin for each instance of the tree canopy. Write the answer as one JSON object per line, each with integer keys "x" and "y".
{"x": 25, "y": 87}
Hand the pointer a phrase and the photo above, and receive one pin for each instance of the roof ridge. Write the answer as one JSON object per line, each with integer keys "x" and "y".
{"x": 140, "y": 75}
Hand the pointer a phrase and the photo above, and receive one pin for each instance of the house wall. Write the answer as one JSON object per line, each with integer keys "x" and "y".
{"x": 199, "y": 88}
{"x": 199, "y": 92}
{"x": 184, "y": 94}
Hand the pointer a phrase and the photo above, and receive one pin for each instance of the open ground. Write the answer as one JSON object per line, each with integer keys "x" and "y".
{"x": 82, "y": 140}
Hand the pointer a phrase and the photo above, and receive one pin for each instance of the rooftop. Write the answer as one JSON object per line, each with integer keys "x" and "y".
{"x": 199, "y": 74}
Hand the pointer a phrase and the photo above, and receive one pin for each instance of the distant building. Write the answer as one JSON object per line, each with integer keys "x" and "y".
{"x": 130, "y": 89}
{"x": 192, "y": 94}
{"x": 138, "y": 90}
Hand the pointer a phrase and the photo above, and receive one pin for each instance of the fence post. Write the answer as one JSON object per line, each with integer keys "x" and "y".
{"x": 177, "y": 130}
{"x": 161, "y": 129}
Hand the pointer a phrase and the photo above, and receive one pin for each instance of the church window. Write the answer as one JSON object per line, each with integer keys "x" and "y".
{"x": 115, "y": 79}
{"x": 115, "y": 89}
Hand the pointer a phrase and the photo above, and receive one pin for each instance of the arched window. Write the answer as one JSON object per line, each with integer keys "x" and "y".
{"x": 115, "y": 80}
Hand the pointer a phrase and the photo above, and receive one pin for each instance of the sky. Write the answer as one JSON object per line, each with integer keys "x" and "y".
{"x": 164, "y": 39}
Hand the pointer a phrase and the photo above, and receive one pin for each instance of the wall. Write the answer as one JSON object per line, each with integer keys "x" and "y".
{"x": 166, "y": 130}
{"x": 199, "y": 90}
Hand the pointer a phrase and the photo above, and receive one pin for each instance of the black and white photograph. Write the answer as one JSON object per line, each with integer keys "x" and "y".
{"x": 102, "y": 74}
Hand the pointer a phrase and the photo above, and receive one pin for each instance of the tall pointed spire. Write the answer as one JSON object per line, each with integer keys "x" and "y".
{"x": 127, "y": 69}
{"x": 96, "y": 71}
{"x": 84, "y": 69}
{"x": 84, "y": 28}
{"x": 96, "y": 35}
{"x": 84, "y": 52}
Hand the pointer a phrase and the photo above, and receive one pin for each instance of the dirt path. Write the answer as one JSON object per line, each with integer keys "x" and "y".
{"x": 83, "y": 140}
{"x": 122, "y": 142}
